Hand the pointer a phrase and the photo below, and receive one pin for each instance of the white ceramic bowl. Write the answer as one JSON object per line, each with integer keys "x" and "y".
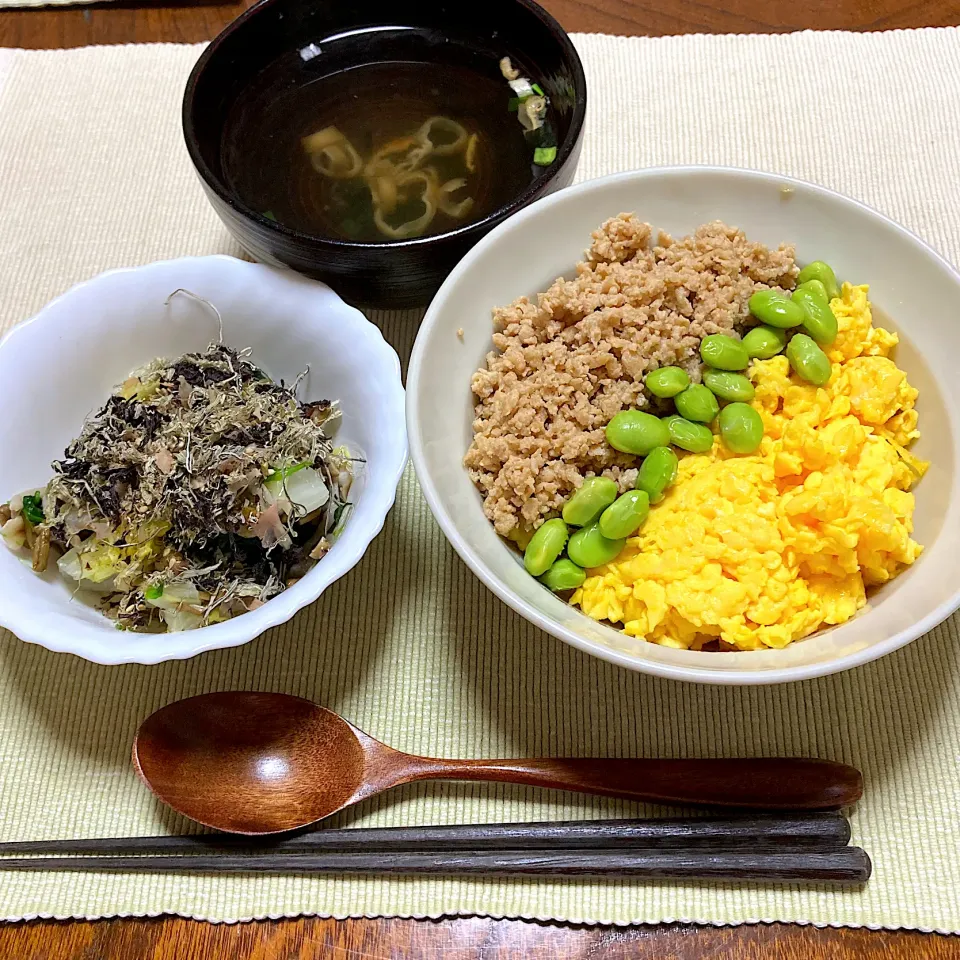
{"x": 61, "y": 365}
{"x": 917, "y": 293}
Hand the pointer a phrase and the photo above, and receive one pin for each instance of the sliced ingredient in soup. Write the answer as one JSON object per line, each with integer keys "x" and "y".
{"x": 405, "y": 176}
{"x": 387, "y": 151}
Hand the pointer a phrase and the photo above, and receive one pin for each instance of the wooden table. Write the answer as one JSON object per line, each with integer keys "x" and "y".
{"x": 307, "y": 939}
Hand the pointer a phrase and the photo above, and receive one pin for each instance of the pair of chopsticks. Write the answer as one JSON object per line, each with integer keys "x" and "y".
{"x": 809, "y": 848}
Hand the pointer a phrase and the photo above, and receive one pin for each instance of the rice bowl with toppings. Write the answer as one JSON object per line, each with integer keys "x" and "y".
{"x": 529, "y": 253}
{"x": 773, "y": 524}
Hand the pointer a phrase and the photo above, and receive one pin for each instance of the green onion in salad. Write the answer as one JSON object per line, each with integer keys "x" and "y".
{"x": 33, "y": 508}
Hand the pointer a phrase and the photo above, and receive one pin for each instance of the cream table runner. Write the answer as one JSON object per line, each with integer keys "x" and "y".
{"x": 410, "y": 646}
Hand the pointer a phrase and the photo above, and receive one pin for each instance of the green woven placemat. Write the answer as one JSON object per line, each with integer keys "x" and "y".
{"x": 410, "y": 646}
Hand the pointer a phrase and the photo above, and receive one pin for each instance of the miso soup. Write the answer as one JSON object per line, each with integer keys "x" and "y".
{"x": 381, "y": 152}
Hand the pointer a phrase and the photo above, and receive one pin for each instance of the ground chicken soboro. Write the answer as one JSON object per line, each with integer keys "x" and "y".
{"x": 565, "y": 365}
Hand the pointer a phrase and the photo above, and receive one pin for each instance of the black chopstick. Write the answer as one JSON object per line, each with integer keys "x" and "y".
{"x": 815, "y": 831}
{"x": 845, "y": 865}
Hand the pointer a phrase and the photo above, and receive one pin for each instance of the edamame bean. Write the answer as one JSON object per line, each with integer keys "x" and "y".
{"x": 807, "y": 360}
{"x": 657, "y": 472}
{"x": 762, "y": 343}
{"x": 563, "y": 575}
{"x": 727, "y": 385}
{"x": 666, "y": 382}
{"x": 633, "y": 431}
{"x": 589, "y": 500}
{"x": 625, "y": 515}
{"x": 818, "y": 270}
{"x": 775, "y": 309}
{"x": 723, "y": 352}
{"x": 545, "y": 546}
{"x": 816, "y": 286}
{"x": 697, "y": 403}
{"x": 818, "y": 318}
{"x": 588, "y": 547}
{"x": 741, "y": 428}
{"x": 694, "y": 437}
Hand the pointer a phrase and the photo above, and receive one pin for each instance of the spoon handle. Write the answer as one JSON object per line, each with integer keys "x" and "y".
{"x": 767, "y": 783}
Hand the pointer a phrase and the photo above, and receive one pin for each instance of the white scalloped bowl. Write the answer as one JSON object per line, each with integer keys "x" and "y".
{"x": 914, "y": 291}
{"x": 61, "y": 365}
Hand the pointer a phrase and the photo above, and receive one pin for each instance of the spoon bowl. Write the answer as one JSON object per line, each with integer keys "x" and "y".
{"x": 259, "y": 763}
{"x": 283, "y": 761}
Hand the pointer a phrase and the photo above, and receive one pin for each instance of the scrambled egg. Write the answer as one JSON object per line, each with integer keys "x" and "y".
{"x": 758, "y": 551}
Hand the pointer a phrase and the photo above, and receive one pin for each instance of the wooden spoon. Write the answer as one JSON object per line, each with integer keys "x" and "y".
{"x": 257, "y": 763}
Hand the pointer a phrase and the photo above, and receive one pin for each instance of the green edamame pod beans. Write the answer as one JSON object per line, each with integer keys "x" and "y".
{"x": 697, "y": 403}
{"x": 588, "y": 547}
{"x": 724, "y": 353}
{"x": 633, "y": 431}
{"x": 666, "y": 382}
{"x": 657, "y": 472}
{"x": 774, "y": 309}
{"x": 816, "y": 286}
{"x": 762, "y": 343}
{"x": 818, "y": 270}
{"x": 807, "y": 360}
{"x": 741, "y": 428}
{"x": 727, "y": 385}
{"x": 625, "y": 515}
{"x": 563, "y": 575}
{"x": 818, "y": 318}
{"x": 545, "y": 546}
{"x": 589, "y": 500}
{"x": 694, "y": 437}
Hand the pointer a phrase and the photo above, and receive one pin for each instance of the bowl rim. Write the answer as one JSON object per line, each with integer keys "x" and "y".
{"x": 694, "y": 674}
{"x": 468, "y": 232}
{"x": 283, "y": 607}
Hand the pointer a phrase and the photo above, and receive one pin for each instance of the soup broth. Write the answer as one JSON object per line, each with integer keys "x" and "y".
{"x": 379, "y": 152}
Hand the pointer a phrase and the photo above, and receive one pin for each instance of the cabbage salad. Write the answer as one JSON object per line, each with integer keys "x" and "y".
{"x": 198, "y": 491}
